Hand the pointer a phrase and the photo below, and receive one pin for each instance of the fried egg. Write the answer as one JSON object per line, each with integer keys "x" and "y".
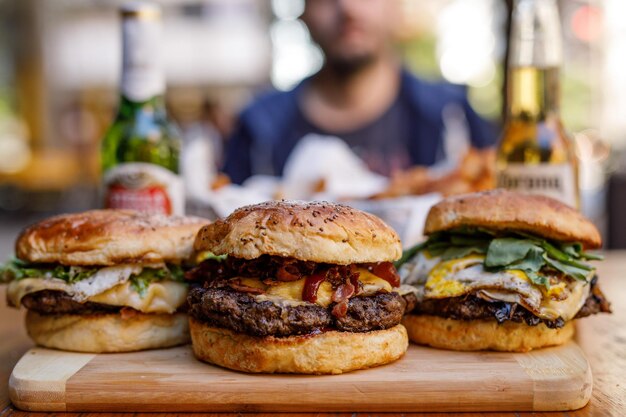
{"x": 437, "y": 279}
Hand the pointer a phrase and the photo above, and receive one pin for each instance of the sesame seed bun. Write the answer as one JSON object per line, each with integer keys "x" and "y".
{"x": 319, "y": 232}
{"x": 506, "y": 210}
{"x": 109, "y": 237}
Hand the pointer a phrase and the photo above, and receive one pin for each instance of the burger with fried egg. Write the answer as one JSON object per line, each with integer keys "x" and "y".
{"x": 103, "y": 280}
{"x": 295, "y": 287}
{"x": 501, "y": 271}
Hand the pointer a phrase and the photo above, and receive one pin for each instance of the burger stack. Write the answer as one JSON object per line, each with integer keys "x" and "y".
{"x": 502, "y": 271}
{"x": 298, "y": 288}
{"x": 103, "y": 280}
{"x": 309, "y": 288}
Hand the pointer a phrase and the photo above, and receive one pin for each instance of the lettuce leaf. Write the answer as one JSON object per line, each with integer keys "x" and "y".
{"x": 142, "y": 281}
{"x": 15, "y": 270}
{"x": 512, "y": 251}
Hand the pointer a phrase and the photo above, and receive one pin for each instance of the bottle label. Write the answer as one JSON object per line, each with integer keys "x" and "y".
{"x": 142, "y": 72}
{"x": 145, "y": 187}
{"x": 552, "y": 180}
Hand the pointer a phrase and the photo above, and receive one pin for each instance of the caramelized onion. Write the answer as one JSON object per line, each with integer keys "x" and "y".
{"x": 283, "y": 274}
{"x": 237, "y": 285}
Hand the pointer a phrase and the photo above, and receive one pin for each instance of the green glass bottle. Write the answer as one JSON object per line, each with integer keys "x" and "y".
{"x": 140, "y": 151}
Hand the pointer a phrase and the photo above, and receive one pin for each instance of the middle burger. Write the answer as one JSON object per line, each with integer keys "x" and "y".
{"x": 292, "y": 287}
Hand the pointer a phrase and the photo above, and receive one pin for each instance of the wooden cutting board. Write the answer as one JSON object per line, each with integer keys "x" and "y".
{"x": 424, "y": 380}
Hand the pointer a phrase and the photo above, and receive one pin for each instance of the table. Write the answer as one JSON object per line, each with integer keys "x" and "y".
{"x": 603, "y": 338}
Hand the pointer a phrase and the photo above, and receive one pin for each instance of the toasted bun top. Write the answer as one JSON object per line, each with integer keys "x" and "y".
{"x": 109, "y": 237}
{"x": 506, "y": 210}
{"x": 319, "y": 232}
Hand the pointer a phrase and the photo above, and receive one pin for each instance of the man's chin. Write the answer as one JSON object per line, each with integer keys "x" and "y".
{"x": 350, "y": 63}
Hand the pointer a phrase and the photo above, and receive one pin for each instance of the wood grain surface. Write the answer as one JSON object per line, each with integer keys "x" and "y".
{"x": 425, "y": 379}
{"x": 602, "y": 338}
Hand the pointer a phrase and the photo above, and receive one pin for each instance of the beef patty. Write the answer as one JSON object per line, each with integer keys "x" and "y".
{"x": 471, "y": 307}
{"x": 238, "y": 311}
{"x": 59, "y": 302}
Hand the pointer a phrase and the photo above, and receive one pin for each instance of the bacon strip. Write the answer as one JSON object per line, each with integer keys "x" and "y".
{"x": 340, "y": 309}
{"x": 386, "y": 271}
{"x": 343, "y": 292}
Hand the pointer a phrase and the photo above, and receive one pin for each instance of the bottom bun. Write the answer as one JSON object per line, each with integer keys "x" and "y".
{"x": 331, "y": 352}
{"x": 483, "y": 334}
{"x": 99, "y": 333}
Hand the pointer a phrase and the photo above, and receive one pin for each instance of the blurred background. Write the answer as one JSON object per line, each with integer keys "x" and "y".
{"x": 60, "y": 64}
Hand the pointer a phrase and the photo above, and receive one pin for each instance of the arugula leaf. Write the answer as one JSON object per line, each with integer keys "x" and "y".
{"x": 408, "y": 254}
{"x": 455, "y": 252}
{"x": 508, "y": 250}
{"x": 575, "y": 250}
{"x": 591, "y": 256}
{"x": 538, "y": 279}
{"x": 516, "y": 250}
{"x": 573, "y": 271}
{"x": 572, "y": 249}
{"x": 533, "y": 261}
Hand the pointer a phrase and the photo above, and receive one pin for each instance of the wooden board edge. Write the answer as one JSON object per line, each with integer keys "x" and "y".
{"x": 569, "y": 369}
{"x": 38, "y": 380}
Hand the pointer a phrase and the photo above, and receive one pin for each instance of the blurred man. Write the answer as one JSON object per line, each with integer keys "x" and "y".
{"x": 362, "y": 95}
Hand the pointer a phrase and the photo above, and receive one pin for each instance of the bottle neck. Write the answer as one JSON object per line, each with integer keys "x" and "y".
{"x": 534, "y": 61}
{"x": 142, "y": 67}
{"x": 533, "y": 93}
{"x": 128, "y": 108}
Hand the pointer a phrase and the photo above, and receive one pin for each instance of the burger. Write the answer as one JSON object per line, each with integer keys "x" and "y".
{"x": 501, "y": 271}
{"x": 103, "y": 280}
{"x": 290, "y": 287}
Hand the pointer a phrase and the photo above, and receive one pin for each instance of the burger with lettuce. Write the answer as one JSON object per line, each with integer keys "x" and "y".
{"x": 103, "y": 280}
{"x": 501, "y": 271}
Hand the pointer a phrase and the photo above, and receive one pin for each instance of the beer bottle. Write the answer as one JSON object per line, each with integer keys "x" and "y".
{"x": 535, "y": 154}
{"x": 140, "y": 151}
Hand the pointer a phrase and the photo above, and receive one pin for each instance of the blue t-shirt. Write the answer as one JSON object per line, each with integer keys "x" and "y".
{"x": 410, "y": 132}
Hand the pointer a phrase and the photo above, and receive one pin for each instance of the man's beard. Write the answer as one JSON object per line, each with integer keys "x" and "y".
{"x": 346, "y": 66}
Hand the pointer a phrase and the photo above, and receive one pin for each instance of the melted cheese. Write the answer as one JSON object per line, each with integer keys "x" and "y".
{"x": 371, "y": 283}
{"x": 108, "y": 285}
{"x": 467, "y": 275}
{"x": 19, "y": 289}
{"x": 160, "y": 297}
{"x": 290, "y": 293}
{"x": 101, "y": 281}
